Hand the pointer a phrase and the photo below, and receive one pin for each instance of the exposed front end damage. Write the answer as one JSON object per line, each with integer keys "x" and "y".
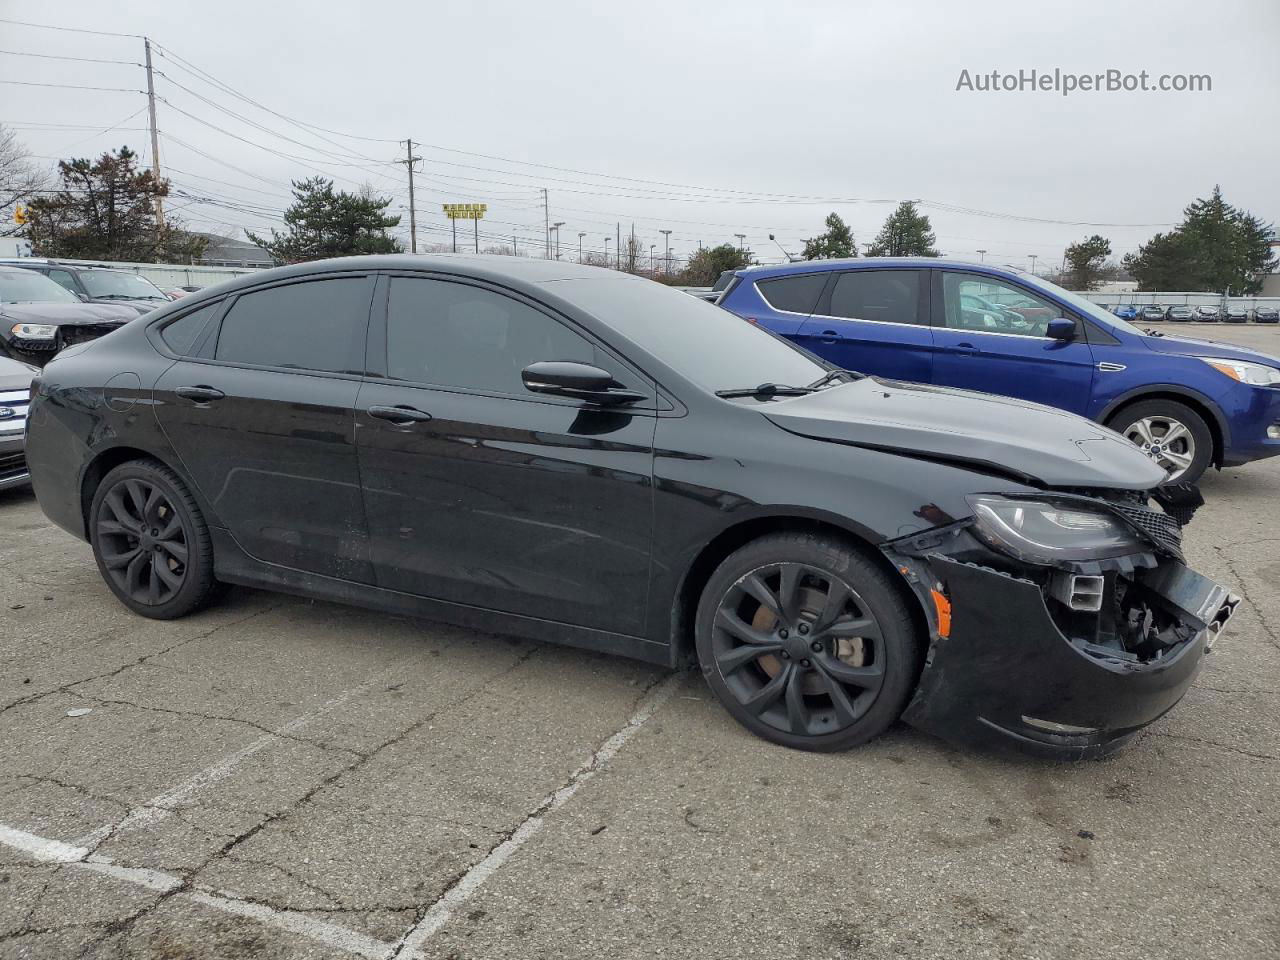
{"x": 1067, "y": 660}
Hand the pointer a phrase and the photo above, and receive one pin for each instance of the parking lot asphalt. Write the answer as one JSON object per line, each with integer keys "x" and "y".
{"x": 281, "y": 778}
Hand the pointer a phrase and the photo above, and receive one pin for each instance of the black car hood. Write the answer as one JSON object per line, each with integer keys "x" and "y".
{"x": 66, "y": 313}
{"x": 1030, "y": 442}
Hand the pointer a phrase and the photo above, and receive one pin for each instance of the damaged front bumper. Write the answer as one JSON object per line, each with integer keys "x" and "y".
{"x": 1057, "y": 663}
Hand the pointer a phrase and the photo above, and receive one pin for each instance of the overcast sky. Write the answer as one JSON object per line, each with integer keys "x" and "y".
{"x": 836, "y": 103}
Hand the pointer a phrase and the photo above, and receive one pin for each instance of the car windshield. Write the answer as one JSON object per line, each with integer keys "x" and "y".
{"x": 115, "y": 285}
{"x": 703, "y": 343}
{"x": 27, "y": 286}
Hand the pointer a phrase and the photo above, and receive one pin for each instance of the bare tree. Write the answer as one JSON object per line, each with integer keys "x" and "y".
{"x": 19, "y": 179}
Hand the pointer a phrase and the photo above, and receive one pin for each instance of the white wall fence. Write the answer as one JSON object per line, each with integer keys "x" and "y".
{"x": 167, "y": 276}
{"x": 1172, "y": 298}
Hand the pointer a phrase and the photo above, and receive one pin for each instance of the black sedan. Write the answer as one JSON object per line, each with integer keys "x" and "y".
{"x": 38, "y": 318}
{"x": 1180, "y": 314}
{"x": 590, "y": 458}
{"x": 1266, "y": 315}
{"x": 1236, "y": 315}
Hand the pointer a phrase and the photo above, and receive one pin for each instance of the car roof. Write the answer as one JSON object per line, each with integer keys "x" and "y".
{"x": 872, "y": 263}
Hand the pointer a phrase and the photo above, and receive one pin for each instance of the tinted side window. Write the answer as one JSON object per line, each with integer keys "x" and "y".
{"x": 798, "y": 294}
{"x": 181, "y": 335}
{"x": 456, "y": 335}
{"x": 312, "y": 325}
{"x": 888, "y": 296}
{"x": 63, "y": 278}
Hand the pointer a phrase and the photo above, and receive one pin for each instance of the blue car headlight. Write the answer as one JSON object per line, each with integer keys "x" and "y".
{"x": 1254, "y": 374}
{"x": 1044, "y": 532}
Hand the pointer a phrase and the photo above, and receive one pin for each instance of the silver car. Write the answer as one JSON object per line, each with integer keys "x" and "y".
{"x": 15, "y": 392}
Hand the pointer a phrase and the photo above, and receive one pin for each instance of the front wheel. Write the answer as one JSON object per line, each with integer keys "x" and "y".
{"x": 151, "y": 542}
{"x": 807, "y": 643}
{"x": 1171, "y": 434}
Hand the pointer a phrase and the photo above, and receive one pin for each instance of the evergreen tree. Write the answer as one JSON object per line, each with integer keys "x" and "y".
{"x": 836, "y": 243}
{"x": 322, "y": 222}
{"x": 707, "y": 264}
{"x": 106, "y": 211}
{"x": 1085, "y": 262}
{"x": 906, "y": 233}
{"x": 1217, "y": 247}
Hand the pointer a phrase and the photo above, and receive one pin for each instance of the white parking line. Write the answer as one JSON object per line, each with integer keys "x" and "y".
{"x": 440, "y": 911}
{"x": 79, "y": 858}
{"x": 160, "y": 807}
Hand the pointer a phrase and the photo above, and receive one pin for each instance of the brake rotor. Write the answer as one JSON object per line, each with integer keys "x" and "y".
{"x": 850, "y": 650}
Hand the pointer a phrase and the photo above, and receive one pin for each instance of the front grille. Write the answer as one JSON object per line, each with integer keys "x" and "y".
{"x": 72, "y": 334}
{"x": 1159, "y": 526}
{"x": 12, "y": 465}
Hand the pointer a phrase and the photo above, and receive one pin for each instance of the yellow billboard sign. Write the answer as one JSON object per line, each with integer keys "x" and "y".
{"x": 465, "y": 211}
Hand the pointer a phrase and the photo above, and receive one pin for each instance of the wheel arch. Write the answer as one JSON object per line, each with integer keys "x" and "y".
{"x": 1206, "y": 408}
{"x": 103, "y": 462}
{"x": 739, "y": 534}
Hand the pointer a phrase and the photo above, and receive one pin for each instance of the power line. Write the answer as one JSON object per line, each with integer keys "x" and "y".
{"x": 51, "y": 56}
{"x": 69, "y": 86}
{"x": 49, "y": 26}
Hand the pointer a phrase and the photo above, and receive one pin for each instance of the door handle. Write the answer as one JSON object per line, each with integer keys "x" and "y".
{"x": 402, "y": 415}
{"x": 200, "y": 394}
{"x": 830, "y": 336}
{"x": 965, "y": 348}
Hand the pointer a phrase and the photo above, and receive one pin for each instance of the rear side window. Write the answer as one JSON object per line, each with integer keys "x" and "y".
{"x": 887, "y": 296}
{"x": 181, "y": 335}
{"x": 798, "y": 294}
{"x": 312, "y": 325}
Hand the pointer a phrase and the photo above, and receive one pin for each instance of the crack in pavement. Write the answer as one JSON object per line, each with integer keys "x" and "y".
{"x": 67, "y": 785}
{"x": 1253, "y": 604}
{"x": 66, "y": 687}
{"x": 1214, "y": 743}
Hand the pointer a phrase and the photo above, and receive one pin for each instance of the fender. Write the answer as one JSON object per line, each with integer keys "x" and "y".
{"x": 1138, "y": 393}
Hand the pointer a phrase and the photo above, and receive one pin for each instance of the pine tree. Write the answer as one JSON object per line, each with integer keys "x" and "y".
{"x": 906, "y": 233}
{"x": 322, "y": 222}
{"x": 836, "y": 243}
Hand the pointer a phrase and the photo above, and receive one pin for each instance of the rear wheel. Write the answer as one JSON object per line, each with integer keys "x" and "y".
{"x": 1171, "y": 434}
{"x": 151, "y": 542}
{"x": 806, "y": 642}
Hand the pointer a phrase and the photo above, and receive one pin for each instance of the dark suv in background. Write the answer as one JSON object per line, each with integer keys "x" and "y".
{"x": 98, "y": 284}
{"x": 38, "y": 317}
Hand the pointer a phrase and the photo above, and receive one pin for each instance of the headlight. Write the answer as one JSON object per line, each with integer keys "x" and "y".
{"x": 1254, "y": 374}
{"x": 34, "y": 331}
{"x": 1043, "y": 532}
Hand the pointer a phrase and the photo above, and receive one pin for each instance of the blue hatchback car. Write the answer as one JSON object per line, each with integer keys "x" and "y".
{"x": 1187, "y": 403}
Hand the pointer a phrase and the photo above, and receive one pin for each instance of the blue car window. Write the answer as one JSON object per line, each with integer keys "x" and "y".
{"x": 796, "y": 294}
{"x": 887, "y": 296}
{"x": 986, "y": 305}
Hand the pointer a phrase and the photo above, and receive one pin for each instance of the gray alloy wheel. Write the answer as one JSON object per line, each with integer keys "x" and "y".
{"x": 1168, "y": 442}
{"x": 806, "y": 642}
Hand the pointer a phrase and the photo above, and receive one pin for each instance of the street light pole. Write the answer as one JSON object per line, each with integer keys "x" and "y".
{"x": 982, "y": 256}
{"x": 666, "y": 253}
{"x": 580, "y": 236}
{"x": 1033, "y": 263}
{"x": 607, "y": 238}
{"x": 653, "y": 263}
{"x": 556, "y": 227}
{"x": 741, "y": 237}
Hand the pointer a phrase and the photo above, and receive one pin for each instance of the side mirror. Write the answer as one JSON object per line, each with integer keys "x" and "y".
{"x": 1061, "y": 329}
{"x": 579, "y": 381}
{"x": 83, "y": 297}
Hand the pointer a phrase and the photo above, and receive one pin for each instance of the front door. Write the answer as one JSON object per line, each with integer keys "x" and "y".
{"x": 990, "y": 336}
{"x": 874, "y": 321}
{"x": 480, "y": 492}
{"x": 264, "y": 423}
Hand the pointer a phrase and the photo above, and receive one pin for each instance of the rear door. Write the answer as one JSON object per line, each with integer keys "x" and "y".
{"x": 874, "y": 321}
{"x": 261, "y": 412}
{"x": 989, "y": 335}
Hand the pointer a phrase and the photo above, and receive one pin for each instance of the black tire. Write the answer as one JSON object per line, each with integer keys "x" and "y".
{"x": 871, "y": 630}
{"x": 129, "y": 551}
{"x": 1197, "y": 441}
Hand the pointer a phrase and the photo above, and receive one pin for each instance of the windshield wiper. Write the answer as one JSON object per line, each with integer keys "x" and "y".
{"x": 831, "y": 375}
{"x": 765, "y": 390}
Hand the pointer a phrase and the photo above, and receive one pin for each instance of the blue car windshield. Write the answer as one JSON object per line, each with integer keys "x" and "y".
{"x": 1088, "y": 307}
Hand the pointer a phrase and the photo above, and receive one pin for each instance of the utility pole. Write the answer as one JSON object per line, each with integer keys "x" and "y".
{"x": 546, "y": 222}
{"x": 666, "y": 253}
{"x": 581, "y": 234}
{"x": 155, "y": 134}
{"x": 982, "y": 256}
{"x": 409, "y": 160}
{"x": 618, "y": 248}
